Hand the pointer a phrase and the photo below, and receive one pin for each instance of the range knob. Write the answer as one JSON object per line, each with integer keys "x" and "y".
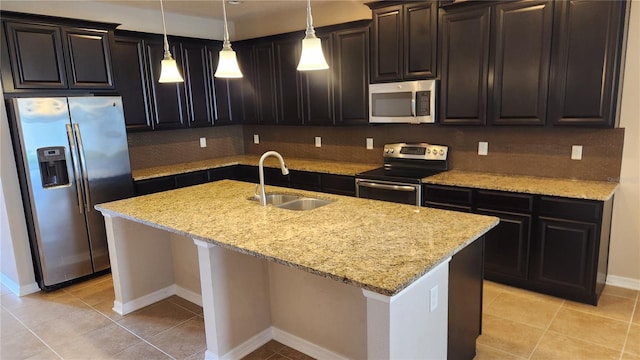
{"x": 441, "y": 152}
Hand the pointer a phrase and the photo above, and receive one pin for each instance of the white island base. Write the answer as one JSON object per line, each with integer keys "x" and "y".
{"x": 248, "y": 300}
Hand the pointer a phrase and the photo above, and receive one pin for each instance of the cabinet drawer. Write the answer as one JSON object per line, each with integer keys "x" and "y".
{"x": 305, "y": 180}
{"x": 584, "y": 210}
{"x": 222, "y": 173}
{"x": 154, "y": 185}
{"x": 497, "y": 200}
{"x": 447, "y": 195}
{"x": 447, "y": 206}
{"x": 339, "y": 184}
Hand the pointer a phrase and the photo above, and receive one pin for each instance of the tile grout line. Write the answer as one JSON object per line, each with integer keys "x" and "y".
{"x": 624, "y": 344}
{"x": 123, "y": 327}
{"x": 546, "y": 330}
{"x": 33, "y": 333}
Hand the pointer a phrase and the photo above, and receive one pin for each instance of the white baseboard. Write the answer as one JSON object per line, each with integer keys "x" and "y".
{"x": 302, "y": 345}
{"x": 249, "y": 346}
{"x": 146, "y": 300}
{"x": 189, "y": 295}
{"x": 623, "y": 282}
{"x": 17, "y": 288}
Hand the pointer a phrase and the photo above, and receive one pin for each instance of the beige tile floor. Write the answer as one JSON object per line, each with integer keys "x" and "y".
{"x": 77, "y": 323}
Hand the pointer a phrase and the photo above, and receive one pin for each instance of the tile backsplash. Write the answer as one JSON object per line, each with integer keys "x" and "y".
{"x": 511, "y": 150}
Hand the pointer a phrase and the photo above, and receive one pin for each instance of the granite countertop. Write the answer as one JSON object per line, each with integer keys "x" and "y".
{"x": 321, "y": 166}
{"x": 376, "y": 245}
{"x": 577, "y": 189}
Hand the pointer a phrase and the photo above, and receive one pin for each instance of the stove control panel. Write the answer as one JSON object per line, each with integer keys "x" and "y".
{"x": 418, "y": 151}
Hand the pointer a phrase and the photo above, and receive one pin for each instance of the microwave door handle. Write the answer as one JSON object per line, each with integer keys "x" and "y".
{"x": 413, "y": 104}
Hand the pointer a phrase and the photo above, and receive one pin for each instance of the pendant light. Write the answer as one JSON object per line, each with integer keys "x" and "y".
{"x": 168, "y": 69}
{"x": 312, "y": 57}
{"x": 227, "y": 61}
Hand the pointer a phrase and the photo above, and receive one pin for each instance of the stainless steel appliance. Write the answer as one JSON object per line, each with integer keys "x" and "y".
{"x": 403, "y": 102}
{"x": 400, "y": 179}
{"x": 72, "y": 153}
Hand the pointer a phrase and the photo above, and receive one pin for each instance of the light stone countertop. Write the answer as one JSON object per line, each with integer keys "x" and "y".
{"x": 321, "y": 166}
{"x": 376, "y": 245}
{"x": 577, "y": 189}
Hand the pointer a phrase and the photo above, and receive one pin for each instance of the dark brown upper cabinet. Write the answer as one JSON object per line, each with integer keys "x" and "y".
{"x": 585, "y": 62}
{"x": 317, "y": 88}
{"x": 168, "y": 99}
{"x": 198, "y": 83}
{"x": 53, "y": 56}
{"x": 465, "y": 66}
{"x": 519, "y": 63}
{"x": 265, "y": 83}
{"x": 404, "y": 41}
{"x": 221, "y": 91}
{"x": 351, "y": 76}
{"x": 130, "y": 70}
{"x": 288, "y": 81}
{"x": 495, "y": 64}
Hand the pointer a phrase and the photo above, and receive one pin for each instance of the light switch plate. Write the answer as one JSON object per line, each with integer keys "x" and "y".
{"x": 256, "y": 139}
{"x": 369, "y": 143}
{"x": 318, "y": 141}
{"x": 483, "y": 148}
{"x": 576, "y": 152}
{"x": 203, "y": 142}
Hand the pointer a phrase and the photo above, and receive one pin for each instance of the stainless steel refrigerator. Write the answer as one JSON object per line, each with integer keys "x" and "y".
{"x": 72, "y": 154}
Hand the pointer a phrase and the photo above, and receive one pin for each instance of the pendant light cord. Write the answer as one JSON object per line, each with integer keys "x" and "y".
{"x": 226, "y": 43}
{"x": 164, "y": 27}
{"x": 310, "y": 29}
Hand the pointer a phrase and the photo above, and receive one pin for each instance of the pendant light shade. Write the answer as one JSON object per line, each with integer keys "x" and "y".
{"x": 311, "y": 57}
{"x": 169, "y": 72}
{"x": 227, "y": 61}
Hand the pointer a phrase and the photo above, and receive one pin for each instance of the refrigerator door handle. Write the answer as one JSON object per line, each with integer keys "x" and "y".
{"x": 76, "y": 169}
{"x": 83, "y": 164}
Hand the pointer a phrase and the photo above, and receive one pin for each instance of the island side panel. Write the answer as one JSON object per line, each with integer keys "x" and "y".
{"x": 413, "y": 323}
{"x": 141, "y": 264}
{"x": 321, "y": 317}
{"x": 235, "y": 301}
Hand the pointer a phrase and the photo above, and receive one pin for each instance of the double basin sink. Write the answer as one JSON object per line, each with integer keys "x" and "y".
{"x": 293, "y": 201}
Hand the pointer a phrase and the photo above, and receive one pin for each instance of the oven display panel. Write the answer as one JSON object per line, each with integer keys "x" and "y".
{"x": 413, "y": 150}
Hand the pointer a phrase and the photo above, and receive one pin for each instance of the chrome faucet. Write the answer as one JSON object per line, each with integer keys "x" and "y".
{"x": 283, "y": 167}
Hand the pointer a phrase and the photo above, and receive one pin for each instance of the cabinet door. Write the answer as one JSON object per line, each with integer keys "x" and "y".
{"x": 465, "y": 66}
{"x": 507, "y": 247}
{"x": 242, "y": 92}
{"x": 150, "y": 186}
{"x": 198, "y": 84}
{"x": 89, "y": 65}
{"x": 288, "y": 82}
{"x": 387, "y": 47}
{"x": 130, "y": 79}
{"x": 168, "y": 99}
{"x": 585, "y": 62}
{"x": 351, "y": 73}
{"x": 265, "y": 83}
{"x": 420, "y": 40}
{"x": 37, "y": 58}
{"x": 520, "y": 63}
{"x": 222, "y": 88}
{"x": 565, "y": 257}
{"x": 338, "y": 184}
{"x": 318, "y": 89}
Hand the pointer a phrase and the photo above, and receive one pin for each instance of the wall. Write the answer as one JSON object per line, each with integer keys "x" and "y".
{"x": 530, "y": 151}
{"x": 149, "y": 149}
{"x": 624, "y": 258}
{"x": 16, "y": 267}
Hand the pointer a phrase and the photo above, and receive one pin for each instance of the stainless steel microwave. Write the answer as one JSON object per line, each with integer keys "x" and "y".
{"x": 403, "y": 102}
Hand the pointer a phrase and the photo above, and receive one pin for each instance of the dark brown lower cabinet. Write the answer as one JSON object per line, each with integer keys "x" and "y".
{"x": 465, "y": 301}
{"x": 553, "y": 245}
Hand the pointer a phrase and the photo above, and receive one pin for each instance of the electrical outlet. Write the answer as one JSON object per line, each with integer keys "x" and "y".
{"x": 433, "y": 295}
{"x": 369, "y": 143}
{"x": 256, "y": 139}
{"x": 318, "y": 141}
{"x": 483, "y": 148}
{"x": 576, "y": 152}
{"x": 203, "y": 142}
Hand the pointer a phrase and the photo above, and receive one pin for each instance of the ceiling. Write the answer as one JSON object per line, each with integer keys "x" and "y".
{"x": 236, "y": 10}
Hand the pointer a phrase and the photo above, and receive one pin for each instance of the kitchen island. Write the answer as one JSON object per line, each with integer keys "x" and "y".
{"x": 353, "y": 279}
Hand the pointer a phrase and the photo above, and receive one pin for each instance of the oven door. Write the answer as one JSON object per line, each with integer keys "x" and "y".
{"x": 397, "y": 192}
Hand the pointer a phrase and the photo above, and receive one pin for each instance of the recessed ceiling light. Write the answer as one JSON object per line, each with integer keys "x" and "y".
{"x": 234, "y": 2}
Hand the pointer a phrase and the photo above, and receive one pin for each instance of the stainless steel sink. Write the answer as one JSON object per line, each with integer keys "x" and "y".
{"x": 293, "y": 201}
{"x": 305, "y": 204}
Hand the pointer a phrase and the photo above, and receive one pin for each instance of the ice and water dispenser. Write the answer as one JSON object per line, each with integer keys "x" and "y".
{"x": 53, "y": 166}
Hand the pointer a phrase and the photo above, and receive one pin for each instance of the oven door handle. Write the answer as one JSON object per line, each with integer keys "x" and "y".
{"x": 386, "y": 186}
